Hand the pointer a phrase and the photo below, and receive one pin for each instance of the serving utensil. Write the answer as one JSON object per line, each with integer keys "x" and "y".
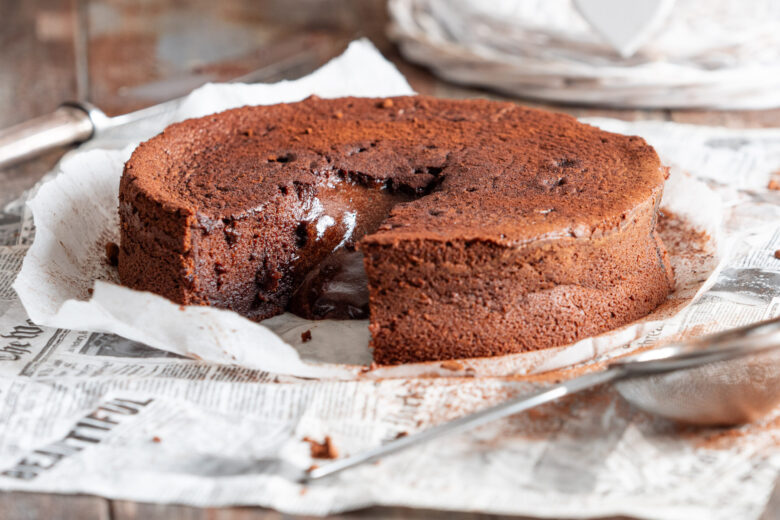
{"x": 79, "y": 121}
{"x": 721, "y": 379}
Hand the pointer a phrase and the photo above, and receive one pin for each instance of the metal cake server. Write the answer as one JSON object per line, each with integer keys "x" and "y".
{"x": 721, "y": 379}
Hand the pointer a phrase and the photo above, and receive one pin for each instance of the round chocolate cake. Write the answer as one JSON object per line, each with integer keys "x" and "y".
{"x": 462, "y": 228}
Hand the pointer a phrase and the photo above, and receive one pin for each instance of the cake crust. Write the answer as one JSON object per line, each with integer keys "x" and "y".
{"x": 487, "y": 228}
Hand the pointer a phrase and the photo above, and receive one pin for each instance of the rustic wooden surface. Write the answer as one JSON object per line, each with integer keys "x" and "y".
{"x": 123, "y": 55}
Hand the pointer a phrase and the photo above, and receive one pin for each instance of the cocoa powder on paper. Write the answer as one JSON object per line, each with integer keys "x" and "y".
{"x": 726, "y": 438}
{"x": 679, "y": 237}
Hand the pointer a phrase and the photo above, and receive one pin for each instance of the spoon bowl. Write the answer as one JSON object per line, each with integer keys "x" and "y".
{"x": 722, "y": 393}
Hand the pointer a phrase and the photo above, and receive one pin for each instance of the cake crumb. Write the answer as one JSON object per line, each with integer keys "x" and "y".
{"x": 338, "y": 115}
{"x": 308, "y": 131}
{"x": 387, "y": 103}
{"x": 401, "y": 434}
{"x": 451, "y": 364}
{"x": 369, "y": 368}
{"x": 90, "y": 291}
{"x": 774, "y": 184}
{"x": 777, "y": 253}
{"x": 112, "y": 254}
{"x": 306, "y": 336}
{"x": 322, "y": 450}
{"x": 156, "y": 439}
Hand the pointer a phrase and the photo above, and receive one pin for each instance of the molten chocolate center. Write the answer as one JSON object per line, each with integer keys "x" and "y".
{"x": 331, "y": 280}
{"x": 336, "y": 289}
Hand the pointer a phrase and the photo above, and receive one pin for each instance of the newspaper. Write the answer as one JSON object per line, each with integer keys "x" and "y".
{"x": 89, "y": 412}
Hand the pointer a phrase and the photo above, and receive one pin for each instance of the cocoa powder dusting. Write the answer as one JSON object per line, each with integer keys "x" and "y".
{"x": 463, "y": 397}
{"x": 306, "y": 336}
{"x": 679, "y": 238}
{"x": 724, "y": 438}
{"x": 405, "y": 146}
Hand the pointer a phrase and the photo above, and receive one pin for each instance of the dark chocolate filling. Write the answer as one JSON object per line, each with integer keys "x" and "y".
{"x": 331, "y": 282}
{"x": 336, "y": 289}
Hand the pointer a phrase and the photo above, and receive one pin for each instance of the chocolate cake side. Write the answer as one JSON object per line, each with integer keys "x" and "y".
{"x": 487, "y": 228}
{"x": 434, "y": 300}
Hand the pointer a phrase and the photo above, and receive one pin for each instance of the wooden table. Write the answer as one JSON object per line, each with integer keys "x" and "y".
{"x": 124, "y": 55}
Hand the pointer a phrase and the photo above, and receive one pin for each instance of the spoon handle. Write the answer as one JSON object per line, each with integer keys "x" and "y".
{"x": 510, "y": 407}
{"x": 65, "y": 126}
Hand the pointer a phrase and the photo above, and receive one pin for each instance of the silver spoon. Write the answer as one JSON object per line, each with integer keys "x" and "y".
{"x": 726, "y": 378}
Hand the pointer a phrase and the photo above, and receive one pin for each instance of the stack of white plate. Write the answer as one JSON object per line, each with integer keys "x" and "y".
{"x": 705, "y": 54}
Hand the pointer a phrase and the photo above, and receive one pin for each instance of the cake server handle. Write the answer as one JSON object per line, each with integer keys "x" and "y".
{"x": 510, "y": 407}
{"x": 69, "y": 124}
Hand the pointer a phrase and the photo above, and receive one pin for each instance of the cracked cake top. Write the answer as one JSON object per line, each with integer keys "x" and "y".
{"x": 479, "y": 169}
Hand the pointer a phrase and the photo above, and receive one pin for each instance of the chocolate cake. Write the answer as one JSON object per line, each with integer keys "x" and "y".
{"x": 485, "y": 228}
